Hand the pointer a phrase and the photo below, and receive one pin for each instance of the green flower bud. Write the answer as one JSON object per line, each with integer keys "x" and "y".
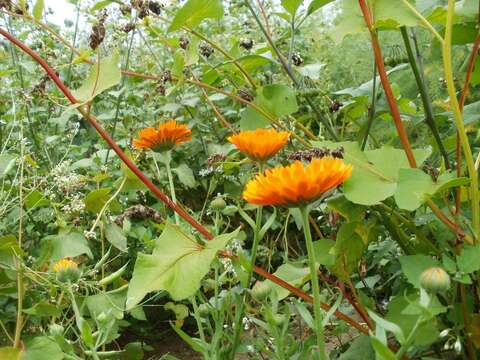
{"x": 261, "y": 290}
{"x": 279, "y": 319}
{"x": 204, "y": 310}
{"x": 435, "y": 279}
{"x": 218, "y": 204}
{"x": 66, "y": 270}
{"x": 56, "y": 330}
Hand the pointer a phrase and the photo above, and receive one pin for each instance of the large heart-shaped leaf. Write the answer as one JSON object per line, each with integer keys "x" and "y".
{"x": 177, "y": 265}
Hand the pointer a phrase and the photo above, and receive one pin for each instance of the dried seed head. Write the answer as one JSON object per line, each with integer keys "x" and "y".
{"x": 247, "y": 44}
{"x": 297, "y": 59}
{"x": 245, "y": 95}
{"x": 184, "y": 43}
{"x": 309, "y": 155}
{"x": 206, "y": 50}
{"x": 155, "y": 7}
{"x": 128, "y": 27}
{"x": 166, "y": 76}
{"x": 335, "y": 106}
{"x": 160, "y": 88}
{"x": 126, "y": 9}
{"x": 6, "y": 4}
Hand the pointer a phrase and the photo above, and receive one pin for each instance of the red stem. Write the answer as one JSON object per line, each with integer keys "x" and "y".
{"x": 386, "y": 85}
{"x": 158, "y": 193}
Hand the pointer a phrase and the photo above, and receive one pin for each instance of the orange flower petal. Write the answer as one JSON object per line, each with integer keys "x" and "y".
{"x": 260, "y": 144}
{"x": 164, "y": 137}
{"x": 296, "y": 184}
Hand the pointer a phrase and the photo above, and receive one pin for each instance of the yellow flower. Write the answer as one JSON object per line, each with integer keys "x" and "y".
{"x": 296, "y": 184}
{"x": 260, "y": 144}
{"x": 66, "y": 270}
{"x": 163, "y": 138}
{"x": 64, "y": 264}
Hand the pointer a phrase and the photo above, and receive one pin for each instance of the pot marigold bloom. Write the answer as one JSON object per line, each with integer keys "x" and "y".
{"x": 163, "y": 138}
{"x": 260, "y": 144}
{"x": 296, "y": 184}
{"x": 66, "y": 270}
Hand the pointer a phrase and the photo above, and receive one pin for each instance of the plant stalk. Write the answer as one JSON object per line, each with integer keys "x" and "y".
{"x": 312, "y": 263}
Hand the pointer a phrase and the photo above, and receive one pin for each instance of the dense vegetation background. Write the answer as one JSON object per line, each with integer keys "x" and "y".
{"x": 92, "y": 264}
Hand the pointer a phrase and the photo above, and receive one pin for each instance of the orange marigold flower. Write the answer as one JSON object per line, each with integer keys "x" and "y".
{"x": 260, "y": 144}
{"x": 163, "y": 138}
{"x": 296, "y": 184}
{"x": 65, "y": 264}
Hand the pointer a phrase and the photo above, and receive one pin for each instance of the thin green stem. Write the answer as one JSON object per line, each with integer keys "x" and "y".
{"x": 198, "y": 319}
{"x": 422, "y": 87}
{"x": 312, "y": 263}
{"x": 448, "y": 69}
{"x": 371, "y": 111}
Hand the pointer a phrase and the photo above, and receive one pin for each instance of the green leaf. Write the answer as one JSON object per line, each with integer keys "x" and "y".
{"x": 415, "y": 187}
{"x": 388, "y": 325}
{"x": 387, "y": 15}
{"x": 178, "y": 64}
{"x": 382, "y": 350}
{"x": 70, "y": 244}
{"x": 102, "y": 76}
{"x": 277, "y": 100}
{"x": 468, "y": 260}
{"x": 352, "y": 240}
{"x": 323, "y": 251}
{"x": 194, "y": 12}
{"x": 177, "y": 265}
{"x": 347, "y": 209}
{"x": 43, "y": 309}
{"x": 38, "y": 9}
{"x": 375, "y": 172}
{"x": 112, "y": 302}
{"x": 115, "y": 236}
{"x": 361, "y": 345}
{"x": 35, "y": 199}
{"x": 317, "y": 4}
{"x": 185, "y": 175}
{"x": 42, "y": 348}
{"x": 291, "y": 5}
{"x": 414, "y": 265}
{"x": 294, "y": 275}
{"x": 10, "y": 353}
{"x": 96, "y": 200}
{"x": 7, "y": 162}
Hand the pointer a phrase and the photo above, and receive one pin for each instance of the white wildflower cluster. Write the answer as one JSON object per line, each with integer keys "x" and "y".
{"x": 67, "y": 181}
{"x": 90, "y": 235}
{"x": 75, "y": 206}
{"x": 205, "y": 172}
{"x": 228, "y": 266}
{"x": 234, "y": 246}
{"x": 75, "y": 128}
{"x": 247, "y": 323}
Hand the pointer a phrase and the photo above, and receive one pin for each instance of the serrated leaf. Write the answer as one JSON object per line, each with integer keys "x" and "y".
{"x": 70, "y": 244}
{"x": 177, "y": 265}
{"x": 185, "y": 175}
{"x": 194, "y": 12}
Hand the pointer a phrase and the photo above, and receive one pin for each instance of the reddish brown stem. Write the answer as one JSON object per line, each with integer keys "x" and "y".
{"x": 386, "y": 85}
{"x": 156, "y": 191}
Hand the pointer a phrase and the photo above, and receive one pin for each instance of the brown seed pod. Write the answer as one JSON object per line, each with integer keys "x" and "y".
{"x": 247, "y": 44}
{"x": 160, "y": 88}
{"x": 297, "y": 59}
{"x": 97, "y": 35}
{"x": 245, "y": 95}
{"x": 166, "y": 76}
{"x": 206, "y": 50}
{"x": 184, "y": 43}
{"x": 335, "y": 106}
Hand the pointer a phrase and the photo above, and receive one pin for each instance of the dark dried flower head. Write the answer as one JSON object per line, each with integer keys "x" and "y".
{"x": 184, "y": 43}
{"x": 430, "y": 170}
{"x": 335, "y": 106}
{"x": 155, "y": 7}
{"x": 297, "y": 59}
{"x": 206, "y": 50}
{"x": 160, "y": 88}
{"x": 214, "y": 159}
{"x": 126, "y": 9}
{"x": 98, "y": 31}
{"x": 316, "y": 153}
{"x": 166, "y": 76}
{"x": 247, "y": 44}
{"x": 128, "y": 27}
{"x": 139, "y": 212}
{"x": 143, "y": 12}
{"x": 245, "y": 95}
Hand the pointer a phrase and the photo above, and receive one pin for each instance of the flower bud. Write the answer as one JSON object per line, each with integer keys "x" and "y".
{"x": 218, "y": 204}
{"x": 435, "y": 279}
{"x": 204, "y": 310}
{"x": 66, "y": 270}
{"x": 56, "y": 330}
{"x": 261, "y": 290}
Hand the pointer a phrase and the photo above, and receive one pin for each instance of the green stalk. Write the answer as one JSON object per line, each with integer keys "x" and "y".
{"x": 427, "y": 102}
{"x": 312, "y": 263}
{"x": 170, "y": 183}
{"x": 448, "y": 69}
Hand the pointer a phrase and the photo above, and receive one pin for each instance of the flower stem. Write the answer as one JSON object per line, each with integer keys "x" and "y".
{"x": 448, "y": 69}
{"x": 312, "y": 263}
{"x": 170, "y": 184}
